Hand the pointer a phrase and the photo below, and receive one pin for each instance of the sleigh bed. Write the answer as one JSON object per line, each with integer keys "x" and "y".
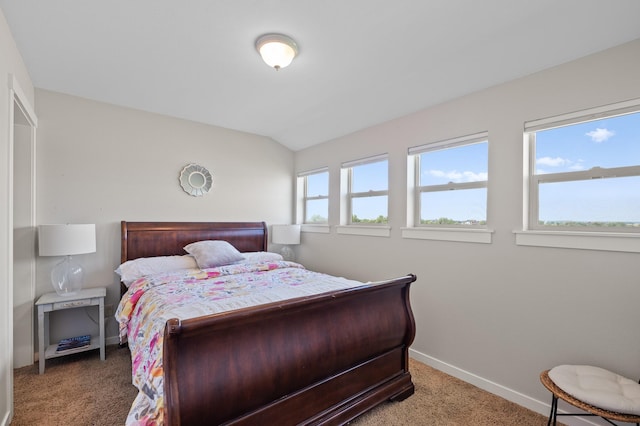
{"x": 319, "y": 359}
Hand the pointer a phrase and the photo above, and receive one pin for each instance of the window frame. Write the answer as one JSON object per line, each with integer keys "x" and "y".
{"x": 418, "y": 190}
{"x": 350, "y": 195}
{"x": 302, "y": 184}
{"x": 575, "y": 239}
{"x": 534, "y": 180}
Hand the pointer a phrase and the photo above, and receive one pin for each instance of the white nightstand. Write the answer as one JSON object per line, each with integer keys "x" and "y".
{"x": 52, "y": 302}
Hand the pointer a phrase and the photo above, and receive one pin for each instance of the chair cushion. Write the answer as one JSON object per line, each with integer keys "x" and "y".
{"x": 598, "y": 387}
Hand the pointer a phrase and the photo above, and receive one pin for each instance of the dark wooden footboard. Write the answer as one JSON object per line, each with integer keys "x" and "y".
{"x": 322, "y": 359}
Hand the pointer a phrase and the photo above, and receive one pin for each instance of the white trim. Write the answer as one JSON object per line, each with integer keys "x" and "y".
{"x": 450, "y": 143}
{"x": 463, "y": 235}
{"x": 313, "y": 172}
{"x": 414, "y": 198}
{"x": 7, "y": 304}
{"x": 413, "y": 209}
{"x": 528, "y": 164}
{"x": 17, "y": 98}
{"x": 609, "y": 241}
{"x": 346, "y": 189}
{"x": 113, "y": 340}
{"x": 302, "y": 198}
{"x": 370, "y": 231}
{"x": 321, "y": 228}
{"x": 22, "y": 100}
{"x": 476, "y": 184}
{"x": 509, "y": 394}
{"x": 536, "y": 234}
{"x": 590, "y": 114}
{"x": 343, "y": 203}
{"x": 299, "y": 201}
{"x": 367, "y": 160}
{"x": 8, "y": 414}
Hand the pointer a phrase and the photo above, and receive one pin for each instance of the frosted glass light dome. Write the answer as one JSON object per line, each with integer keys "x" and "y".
{"x": 277, "y": 50}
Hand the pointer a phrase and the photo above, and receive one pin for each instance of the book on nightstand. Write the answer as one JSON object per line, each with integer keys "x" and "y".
{"x": 73, "y": 343}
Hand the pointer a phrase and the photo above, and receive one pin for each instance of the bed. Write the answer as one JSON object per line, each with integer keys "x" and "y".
{"x": 317, "y": 359}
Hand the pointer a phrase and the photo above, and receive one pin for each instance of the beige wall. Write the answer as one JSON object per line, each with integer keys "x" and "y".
{"x": 101, "y": 164}
{"x": 10, "y": 64}
{"x": 496, "y": 314}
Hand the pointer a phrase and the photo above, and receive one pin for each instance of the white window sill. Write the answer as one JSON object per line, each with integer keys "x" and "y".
{"x": 609, "y": 241}
{"x": 322, "y": 228}
{"x": 475, "y": 235}
{"x": 371, "y": 231}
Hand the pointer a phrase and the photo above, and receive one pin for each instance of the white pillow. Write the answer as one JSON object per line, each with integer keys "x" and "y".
{"x": 131, "y": 270}
{"x": 212, "y": 253}
{"x": 261, "y": 256}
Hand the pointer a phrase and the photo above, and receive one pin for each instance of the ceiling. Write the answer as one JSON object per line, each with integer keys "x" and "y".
{"x": 361, "y": 62}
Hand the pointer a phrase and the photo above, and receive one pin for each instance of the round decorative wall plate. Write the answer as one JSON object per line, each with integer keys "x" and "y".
{"x": 195, "y": 180}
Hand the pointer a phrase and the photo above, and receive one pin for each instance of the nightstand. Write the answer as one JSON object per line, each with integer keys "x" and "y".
{"x": 53, "y": 302}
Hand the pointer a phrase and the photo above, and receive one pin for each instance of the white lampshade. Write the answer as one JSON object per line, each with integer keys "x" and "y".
{"x": 66, "y": 240}
{"x": 285, "y": 234}
{"x": 277, "y": 50}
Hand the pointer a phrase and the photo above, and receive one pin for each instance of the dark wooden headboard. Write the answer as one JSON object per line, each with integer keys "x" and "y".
{"x": 149, "y": 239}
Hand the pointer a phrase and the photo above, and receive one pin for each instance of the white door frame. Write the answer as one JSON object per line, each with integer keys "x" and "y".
{"x": 18, "y": 99}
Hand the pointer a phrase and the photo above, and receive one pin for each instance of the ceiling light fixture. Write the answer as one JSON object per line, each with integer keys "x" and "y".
{"x": 277, "y": 50}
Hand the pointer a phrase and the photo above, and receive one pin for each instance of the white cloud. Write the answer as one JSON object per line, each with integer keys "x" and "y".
{"x": 600, "y": 135}
{"x": 456, "y": 176}
{"x": 552, "y": 162}
{"x": 557, "y": 162}
{"x": 475, "y": 177}
{"x": 437, "y": 173}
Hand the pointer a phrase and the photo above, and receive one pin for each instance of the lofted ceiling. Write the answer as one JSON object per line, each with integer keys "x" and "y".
{"x": 361, "y": 62}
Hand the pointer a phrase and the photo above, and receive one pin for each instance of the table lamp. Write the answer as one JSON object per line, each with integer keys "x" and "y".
{"x": 66, "y": 240}
{"x": 287, "y": 235}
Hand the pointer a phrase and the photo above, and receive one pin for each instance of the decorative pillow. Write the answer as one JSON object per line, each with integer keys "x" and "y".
{"x": 131, "y": 270}
{"x": 261, "y": 256}
{"x": 212, "y": 253}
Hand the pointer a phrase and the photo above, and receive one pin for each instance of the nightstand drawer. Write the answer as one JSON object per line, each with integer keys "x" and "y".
{"x": 71, "y": 304}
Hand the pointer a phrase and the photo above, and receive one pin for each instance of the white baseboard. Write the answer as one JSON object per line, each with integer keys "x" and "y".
{"x": 501, "y": 391}
{"x": 113, "y": 340}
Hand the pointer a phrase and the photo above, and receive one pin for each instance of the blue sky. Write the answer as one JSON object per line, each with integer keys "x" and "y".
{"x": 467, "y": 163}
{"x": 318, "y": 184}
{"x": 611, "y": 142}
{"x": 606, "y": 143}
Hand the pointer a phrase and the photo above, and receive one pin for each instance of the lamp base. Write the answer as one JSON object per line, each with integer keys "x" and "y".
{"x": 66, "y": 277}
{"x": 288, "y": 253}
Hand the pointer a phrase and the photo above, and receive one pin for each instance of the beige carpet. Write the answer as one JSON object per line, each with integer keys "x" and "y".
{"x": 82, "y": 390}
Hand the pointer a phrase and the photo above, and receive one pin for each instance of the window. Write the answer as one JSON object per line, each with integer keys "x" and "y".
{"x": 451, "y": 182}
{"x": 584, "y": 171}
{"x": 315, "y": 194}
{"x": 367, "y": 190}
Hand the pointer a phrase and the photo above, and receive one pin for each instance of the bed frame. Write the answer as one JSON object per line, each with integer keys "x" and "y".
{"x": 323, "y": 359}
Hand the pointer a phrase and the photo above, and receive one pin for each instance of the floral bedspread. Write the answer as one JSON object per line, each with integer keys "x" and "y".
{"x": 152, "y": 300}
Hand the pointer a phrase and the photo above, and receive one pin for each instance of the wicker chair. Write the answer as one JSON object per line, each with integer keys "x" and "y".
{"x": 591, "y": 410}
